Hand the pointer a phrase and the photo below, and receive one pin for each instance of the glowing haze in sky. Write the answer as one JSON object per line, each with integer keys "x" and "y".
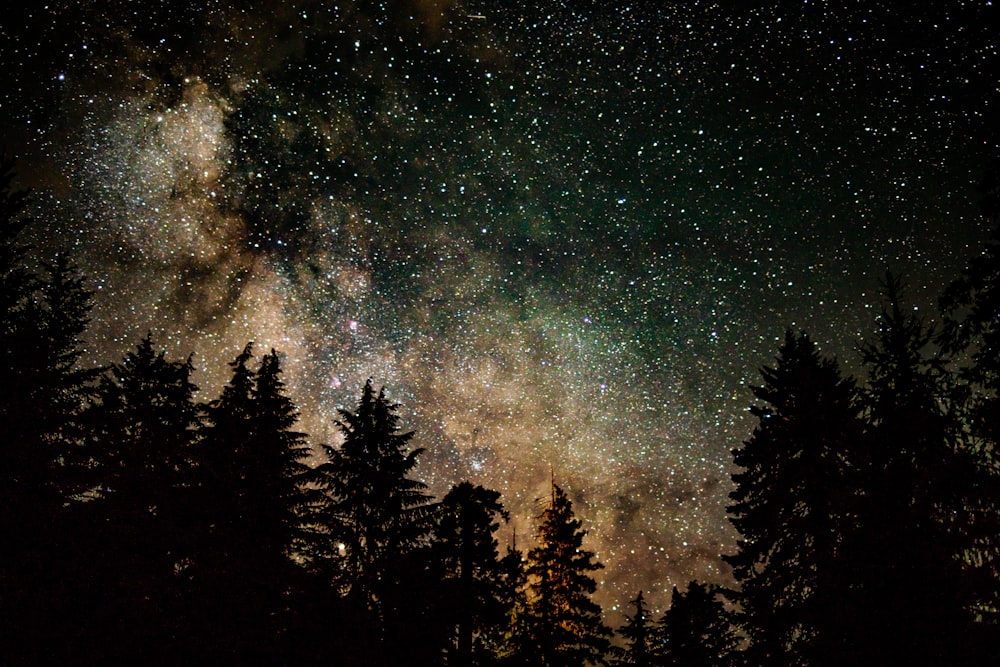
{"x": 564, "y": 235}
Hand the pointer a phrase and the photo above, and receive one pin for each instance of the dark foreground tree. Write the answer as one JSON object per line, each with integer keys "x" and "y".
{"x": 793, "y": 497}
{"x": 251, "y": 474}
{"x": 639, "y": 635}
{"x": 42, "y": 391}
{"x": 565, "y": 628}
{"x": 378, "y": 520}
{"x": 910, "y": 593}
{"x": 695, "y": 630}
{"x": 134, "y": 461}
{"x": 466, "y": 547}
{"x": 972, "y": 332}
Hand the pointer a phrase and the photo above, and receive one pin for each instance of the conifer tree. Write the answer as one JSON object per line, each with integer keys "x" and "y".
{"x": 377, "y": 518}
{"x": 565, "y": 628}
{"x": 135, "y": 451}
{"x": 42, "y": 390}
{"x": 695, "y": 629}
{"x": 508, "y": 640}
{"x": 794, "y": 495}
{"x": 972, "y": 332}
{"x": 639, "y": 635}
{"x": 252, "y": 490}
{"x": 914, "y": 504}
{"x": 466, "y": 546}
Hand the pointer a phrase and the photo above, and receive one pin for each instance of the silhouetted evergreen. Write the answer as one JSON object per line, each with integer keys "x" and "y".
{"x": 377, "y": 517}
{"x": 564, "y": 625}
{"x": 793, "y": 496}
{"x": 466, "y": 546}
{"x": 508, "y": 640}
{"x": 135, "y": 453}
{"x": 42, "y": 391}
{"x": 909, "y": 593}
{"x": 695, "y": 630}
{"x": 639, "y": 635}
{"x": 252, "y": 495}
{"x": 972, "y": 331}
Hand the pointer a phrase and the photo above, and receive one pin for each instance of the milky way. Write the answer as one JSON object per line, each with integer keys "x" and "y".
{"x": 563, "y": 235}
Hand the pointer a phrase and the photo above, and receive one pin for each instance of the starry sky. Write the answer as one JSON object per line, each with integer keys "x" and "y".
{"x": 564, "y": 235}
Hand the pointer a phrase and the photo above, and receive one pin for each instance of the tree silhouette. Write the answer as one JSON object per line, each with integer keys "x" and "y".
{"x": 639, "y": 635}
{"x": 42, "y": 390}
{"x": 792, "y": 498}
{"x": 508, "y": 639}
{"x": 376, "y": 515}
{"x": 466, "y": 546}
{"x": 136, "y": 444}
{"x": 564, "y": 625}
{"x": 914, "y": 504}
{"x": 972, "y": 331}
{"x": 252, "y": 495}
{"x": 695, "y": 629}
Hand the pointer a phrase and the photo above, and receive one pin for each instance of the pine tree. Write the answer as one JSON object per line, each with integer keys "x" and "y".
{"x": 640, "y": 641}
{"x": 793, "y": 497}
{"x": 695, "y": 629}
{"x": 914, "y": 505}
{"x": 377, "y": 518}
{"x": 508, "y": 640}
{"x": 564, "y": 624}
{"x": 42, "y": 390}
{"x": 466, "y": 546}
{"x": 972, "y": 332}
{"x": 252, "y": 472}
{"x": 135, "y": 451}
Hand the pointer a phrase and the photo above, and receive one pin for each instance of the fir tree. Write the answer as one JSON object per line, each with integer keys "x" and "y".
{"x": 793, "y": 497}
{"x": 377, "y": 517}
{"x": 135, "y": 449}
{"x": 252, "y": 474}
{"x": 565, "y": 628}
{"x": 508, "y": 640}
{"x": 42, "y": 391}
{"x": 695, "y": 629}
{"x": 914, "y": 504}
{"x": 466, "y": 546}
{"x": 640, "y": 642}
{"x": 972, "y": 332}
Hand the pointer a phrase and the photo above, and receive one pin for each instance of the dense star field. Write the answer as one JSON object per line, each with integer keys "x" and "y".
{"x": 563, "y": 235}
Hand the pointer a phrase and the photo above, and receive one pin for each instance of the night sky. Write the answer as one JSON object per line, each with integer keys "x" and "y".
{"x": 563, "y": 235}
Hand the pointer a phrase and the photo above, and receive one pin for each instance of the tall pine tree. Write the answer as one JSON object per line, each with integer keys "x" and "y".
{"x": 252, "y": 474}
{"x": 695, "y": 630}
{"x": 565, "y": 628}
{"x": 910, "y": 597}
{"x": 793, "y": 496}
{"x": 466, "y": 546}
{"x": 378, "y": 518}
{"x": 639, "y": 635}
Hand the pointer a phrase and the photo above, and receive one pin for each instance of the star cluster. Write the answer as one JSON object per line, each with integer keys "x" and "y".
{"x": 563, "y": 235}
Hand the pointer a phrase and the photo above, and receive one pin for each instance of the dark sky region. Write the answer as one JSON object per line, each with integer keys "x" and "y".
{"x": 563, "y": 235}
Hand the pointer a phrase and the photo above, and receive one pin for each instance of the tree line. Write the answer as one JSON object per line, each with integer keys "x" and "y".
{"x": 141, "y": 525}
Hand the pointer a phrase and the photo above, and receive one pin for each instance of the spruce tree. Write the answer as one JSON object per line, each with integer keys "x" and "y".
{"x": 251, "y": 472}
{"x": 565, "y": 628}
{"x": 695, "y": 629}
{"x": 135, "y": 451}
{"x": 508, "y": 640}
{"x": 43, "y": 317}
{"x": 466, "y": 546}
{"x": 640, "y": 639}
{"x": 794, "y": 494}
{"x": 377, "y": 518}
{"x": 971, "y": 331}
{"x": 915, "y": 501}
